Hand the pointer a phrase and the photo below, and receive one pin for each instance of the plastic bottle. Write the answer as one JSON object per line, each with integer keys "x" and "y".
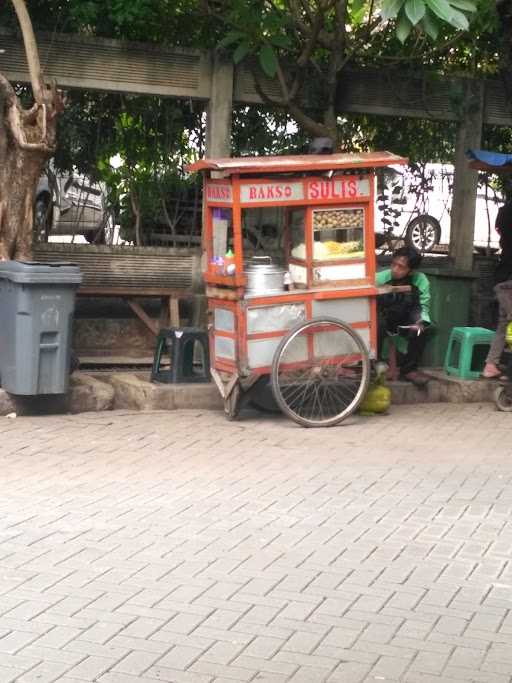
{"x": 229, "y": 263}
{"x": 508, "y": 336}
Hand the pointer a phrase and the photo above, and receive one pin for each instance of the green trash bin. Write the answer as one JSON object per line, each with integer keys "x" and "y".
{"x": 450, "y": 291}
{"x": 37, "y": 301}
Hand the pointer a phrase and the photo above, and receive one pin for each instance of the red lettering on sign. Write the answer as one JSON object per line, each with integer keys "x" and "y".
{"x": 267, "y": 192}
{"x": 271, "y": 192}
{"x": 218, "y": 192}
{"x": 336, "y": 188}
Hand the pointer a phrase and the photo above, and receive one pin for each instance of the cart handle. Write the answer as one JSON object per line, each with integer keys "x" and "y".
{"x": 393, "y": 289}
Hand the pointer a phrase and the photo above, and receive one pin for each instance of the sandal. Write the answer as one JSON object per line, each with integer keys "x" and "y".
{"x": 498, "y": 376}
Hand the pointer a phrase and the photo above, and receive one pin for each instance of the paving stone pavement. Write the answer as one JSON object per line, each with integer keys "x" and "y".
{"x": 143, "y": 547}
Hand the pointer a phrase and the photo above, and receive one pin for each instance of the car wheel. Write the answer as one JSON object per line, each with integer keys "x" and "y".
{"x": 42, "y": 220}
{"x": 95, "y": 236}
{"x": 423, "y": 233}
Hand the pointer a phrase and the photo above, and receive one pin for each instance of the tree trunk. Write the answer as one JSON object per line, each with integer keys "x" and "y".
{"x": 27, "y": 141}
{"x": 22, "y": 161}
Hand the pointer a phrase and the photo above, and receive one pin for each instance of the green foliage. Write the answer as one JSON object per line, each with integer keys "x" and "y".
{"x": 175, "y": 22}
{"x": 258, "y": 131}
{"x": 427, "y": 15}
{"x": 151, "y": 137}
{"x": 420, "y": 140}
{"x": 155, "y": 137}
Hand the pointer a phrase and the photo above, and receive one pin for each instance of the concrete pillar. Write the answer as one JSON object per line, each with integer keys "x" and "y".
{"x": 465, "y": 182}
{"x": 220, "y": 108}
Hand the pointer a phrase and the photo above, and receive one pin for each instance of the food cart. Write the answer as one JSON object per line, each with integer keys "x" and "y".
{"x": 289, "y": 264}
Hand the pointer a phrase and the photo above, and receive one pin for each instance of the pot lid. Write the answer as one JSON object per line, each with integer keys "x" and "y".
{"x": 263, "y": 264}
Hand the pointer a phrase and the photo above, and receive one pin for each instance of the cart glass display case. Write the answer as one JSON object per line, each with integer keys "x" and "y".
{"x": 222, "y": 232}
{"x": 338, "y": 234}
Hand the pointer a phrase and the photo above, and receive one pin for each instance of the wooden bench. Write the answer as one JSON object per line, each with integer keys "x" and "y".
{"x": 132, "y": 273}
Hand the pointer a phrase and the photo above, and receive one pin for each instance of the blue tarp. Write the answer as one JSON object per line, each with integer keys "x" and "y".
{"x": 489, "y": 158}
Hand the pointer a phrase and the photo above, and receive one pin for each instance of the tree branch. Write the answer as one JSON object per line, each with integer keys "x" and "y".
{"x": 30, "y": 115}
{"x": 283, "y": 84}
{"x": 324, "y": 38}
{"x": 7, "y": 91}
{"x": 31, "y": 51}
{"x": 267, "y": 99}
{"x": 296, "y": 112}
{"x": 309, "y": 124}
{"x": 14, "y": 119}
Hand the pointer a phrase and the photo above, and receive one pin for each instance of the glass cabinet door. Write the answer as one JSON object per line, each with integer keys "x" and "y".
{"x": 297, "y": 246}
{"x": 338, "y": 234}
{"x": 222, "y": 231}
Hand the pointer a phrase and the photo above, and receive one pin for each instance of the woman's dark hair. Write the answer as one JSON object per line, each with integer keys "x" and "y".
{"x": 412, "y": 255}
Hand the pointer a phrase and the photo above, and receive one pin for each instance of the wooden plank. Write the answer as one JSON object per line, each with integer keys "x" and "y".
{"x": 174, "y": 312}
{"x": 114, "y": 360}
{"x": 78, "y": 61}
{"x": 219, "y": 293}
{"x": 135, "y": 292}
{"x": 143, "y": 316}
{"x": 393, "y": 289}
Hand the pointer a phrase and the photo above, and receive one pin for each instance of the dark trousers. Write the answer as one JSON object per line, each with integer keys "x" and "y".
{"x": 409, "y": 361}
{"x": 401, "y": 309}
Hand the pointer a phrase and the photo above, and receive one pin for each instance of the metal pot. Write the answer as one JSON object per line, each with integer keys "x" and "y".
{"x": 264, "y": 277}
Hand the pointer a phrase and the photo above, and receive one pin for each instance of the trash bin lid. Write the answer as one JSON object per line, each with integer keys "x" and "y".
{"x": 32, "y": 272}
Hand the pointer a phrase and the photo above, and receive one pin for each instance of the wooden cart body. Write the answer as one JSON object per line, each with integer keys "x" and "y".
{"x": 311, "y": 190}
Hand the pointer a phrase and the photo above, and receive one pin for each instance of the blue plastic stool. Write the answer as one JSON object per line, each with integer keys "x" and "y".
{"x": 467, "y": 350}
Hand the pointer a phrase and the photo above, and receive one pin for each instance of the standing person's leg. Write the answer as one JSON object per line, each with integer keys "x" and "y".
{"x": 504, "y": 295}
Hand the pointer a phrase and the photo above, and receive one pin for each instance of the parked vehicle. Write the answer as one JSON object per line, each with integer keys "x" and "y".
{"x": 70, "y": 204}
{"x": 415, "y": 205}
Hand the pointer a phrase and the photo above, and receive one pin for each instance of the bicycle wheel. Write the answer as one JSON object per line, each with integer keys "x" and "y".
{"x": 320, "y": 372}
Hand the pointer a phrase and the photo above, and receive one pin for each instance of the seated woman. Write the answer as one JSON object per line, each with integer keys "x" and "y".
{"x": 405, "y": 316}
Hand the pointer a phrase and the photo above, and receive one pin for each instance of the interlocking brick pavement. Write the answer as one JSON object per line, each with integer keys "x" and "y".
{"x": 179, "y": 547}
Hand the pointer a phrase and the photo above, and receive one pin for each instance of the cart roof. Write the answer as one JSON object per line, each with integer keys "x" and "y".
{"x": 288, "y": 164}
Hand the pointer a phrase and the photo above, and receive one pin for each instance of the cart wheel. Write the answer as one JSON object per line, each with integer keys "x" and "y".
{"x": 232, "y": 403}
{"x": 320, "y": 372}
{"x": 502, "y": 399}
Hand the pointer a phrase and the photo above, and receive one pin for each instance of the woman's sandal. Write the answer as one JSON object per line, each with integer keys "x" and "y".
{"x": 499, "y": 376}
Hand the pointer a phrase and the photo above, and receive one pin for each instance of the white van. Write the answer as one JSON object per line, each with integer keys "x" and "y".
{"x": 416, "y": 206}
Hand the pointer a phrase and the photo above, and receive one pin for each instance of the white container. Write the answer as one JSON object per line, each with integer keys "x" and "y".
{"x": 264, "y": 277}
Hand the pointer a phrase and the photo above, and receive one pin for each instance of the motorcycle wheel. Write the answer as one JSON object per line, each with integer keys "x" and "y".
{"x": 503, "y": 400}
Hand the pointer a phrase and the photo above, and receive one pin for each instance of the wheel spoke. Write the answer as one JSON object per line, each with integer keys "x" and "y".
{"x": 320, "y": 390}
